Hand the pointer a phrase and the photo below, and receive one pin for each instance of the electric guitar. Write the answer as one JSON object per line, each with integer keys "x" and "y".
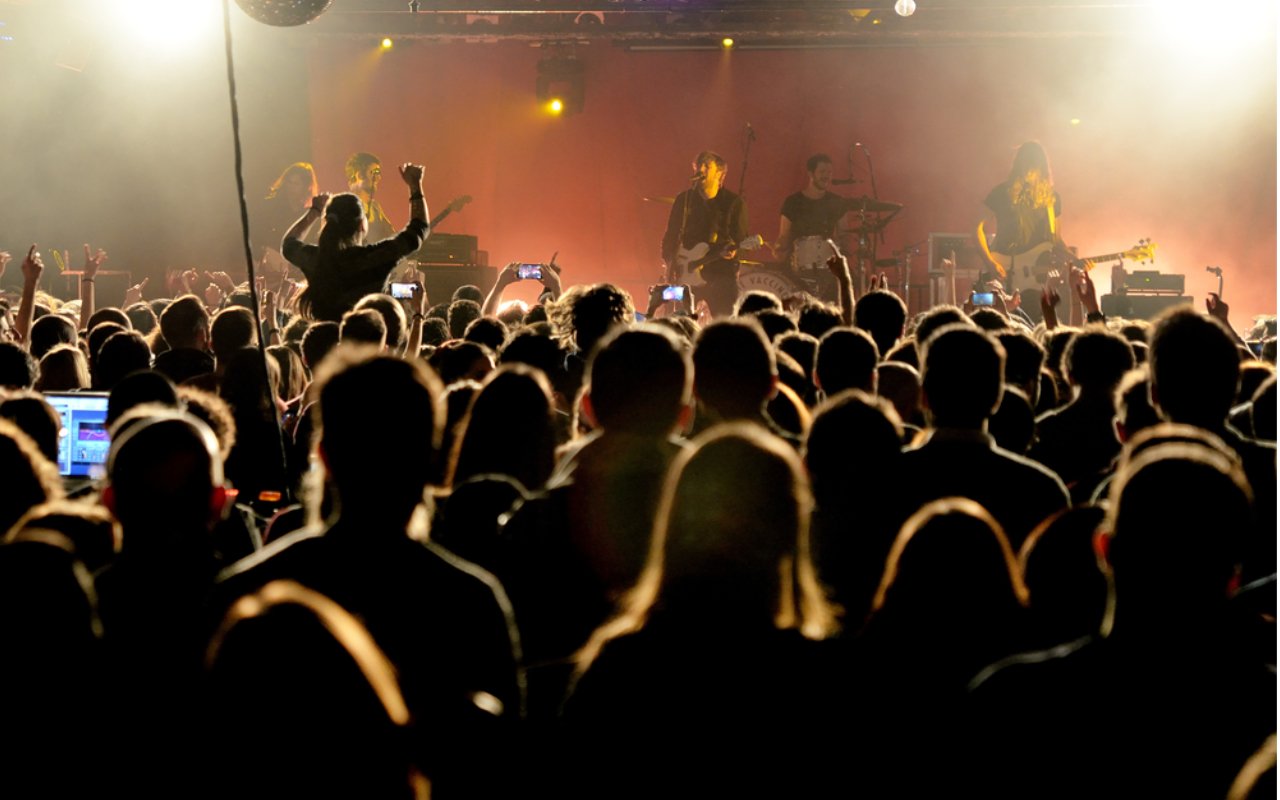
{"x": 456, "y": 204}
{"x": 690, "y": 261}
{"x": 1030, "y": 269}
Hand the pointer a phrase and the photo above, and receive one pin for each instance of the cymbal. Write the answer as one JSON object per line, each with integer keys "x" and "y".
{"x": 670, "y": 201}
{"x": 865, "y": 203}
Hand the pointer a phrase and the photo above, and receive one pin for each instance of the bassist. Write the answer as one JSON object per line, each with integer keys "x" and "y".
{"x": 707, "y": 213}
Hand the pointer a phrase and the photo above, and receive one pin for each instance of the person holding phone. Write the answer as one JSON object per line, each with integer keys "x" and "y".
{"x": 546, "y": 274}
{"x": 342, "y": 268}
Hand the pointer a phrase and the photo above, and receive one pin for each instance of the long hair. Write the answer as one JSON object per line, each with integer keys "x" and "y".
{"x": 296, "y": 168}
{"x": 343, "y": 228}
{"x": 1030, "y": 178}
{"x": 753, "y": 546}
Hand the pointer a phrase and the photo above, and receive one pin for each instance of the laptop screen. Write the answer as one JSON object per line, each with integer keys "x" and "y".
{"x": 83, "y": 446}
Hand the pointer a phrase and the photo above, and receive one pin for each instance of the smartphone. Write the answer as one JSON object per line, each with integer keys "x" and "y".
{"x": 403, "y": 291}
{"x": 984, "y": 298}
{"x": 527, "y": 272}
{"x": 673, "y": 293}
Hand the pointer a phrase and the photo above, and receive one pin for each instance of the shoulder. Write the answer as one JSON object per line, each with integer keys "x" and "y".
{"x": 1033, "y": 470}
{"x": 998, "y": 197}
{"x": 1015, "y": 671}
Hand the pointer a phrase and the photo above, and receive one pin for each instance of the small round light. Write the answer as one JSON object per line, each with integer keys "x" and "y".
{"x": 386, "y": 44}
{"x": 1075, "y": 120}
{"x": 556, "y": 106}
{"x": 726, "y": 43}
{"x": 905, "y": 8}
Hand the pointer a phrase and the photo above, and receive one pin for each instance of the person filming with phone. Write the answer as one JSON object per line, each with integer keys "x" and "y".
{"x": 342, "y": 268}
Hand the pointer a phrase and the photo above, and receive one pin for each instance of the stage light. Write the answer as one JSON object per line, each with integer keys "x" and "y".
{"x": 386, "y": 44}
{"x": 561, "y": 78}
{"x": 905, "y": 8}
{"x": 726, "y": 43}
{"x": 1075, "y": 121}
{"x": 556, "y": 105}
{"x": 162, "y": 23}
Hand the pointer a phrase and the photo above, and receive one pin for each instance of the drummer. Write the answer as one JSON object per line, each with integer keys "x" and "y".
{"x": 810, "y": 216}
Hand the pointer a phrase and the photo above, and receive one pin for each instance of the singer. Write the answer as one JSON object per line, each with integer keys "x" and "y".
{"x": 812, "y": 211}
{"x": 707, "y": 213}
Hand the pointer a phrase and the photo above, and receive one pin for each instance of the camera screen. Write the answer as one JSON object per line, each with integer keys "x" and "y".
{"x": 673, "y": 293}
{"x": 402, "y": 291}
{"x": 983, "y": 298}
{"x": 529, "y": 272}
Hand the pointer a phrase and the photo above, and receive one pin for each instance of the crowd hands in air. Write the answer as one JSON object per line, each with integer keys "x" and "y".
{"x": 810, "y": 549}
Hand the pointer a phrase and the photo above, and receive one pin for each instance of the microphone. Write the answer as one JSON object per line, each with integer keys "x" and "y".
{"x": 1214, "y": 270}
{"x": 695, "y": 177}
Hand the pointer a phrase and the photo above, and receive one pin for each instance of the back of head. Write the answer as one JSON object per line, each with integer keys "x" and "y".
{"x": 121, "y": 354}
{"x": 937, "y": 318}
{"x": 64, "y": 369}
{"x": 18, "y": 368}
{"x": 143, "y": 319}
{"x": 461, "y": 314}
{"x": 755, "y": 301}
{"x": 1195, "y": 368}
{"x": 49, "y": 331}
{"x": 363, "y": 328}
{"x": 338, "y": 723}
{"x": 1262, "y": 415}
{"x": 184, "y": 322}
{"x": 1253, "y": 374}
{"x": 1169, "y": 554}
{"x": 595, "y": 312}
{"x": 509, "y": 429}
{"x": 1097, "y": 359}
{"x": 393, "y": 317}
{"x": 488, "y": 331}
{"x": 468, "y": 292}
{"x": 900, "y": 384}
{"x": 734, "y": 367}
{"x": 109, "y": 314}
{"x": 989, "y": 319}
{"x": 344, "y": 220}
{"x": 1013, "y": 426}
{"x": 847, "y": 359}
{"x": 1024, "y": 358}
{"x": 293, "y": 376}
{"x": 29, "y": 411}
{"x": 214, "y": 412}
{"x": 816, "y": 318}
{"x": 800, "y": 346}
{"x": 232, "y": 329}
{"x": 460, "y": 360}
{"x": 1060, "y": 563}
{"x": 320, "y": 339}
{"x": 732, "y": 555}
{"x": 963, "y": 377}
{"x": 776, "y": 324}
{"x": 29, "y": 477}
{"x": 883, "y": 315}
{"x": 363, "y": 444}
{"x": 854, "y": 437}
{"x": 163, "y": 471}
{"x": 1134, "y": 411}
{"x": 639, "y": 379}
{"x": 138, "y": 388}
{"x": 951, "y": 578}
{"x": 538, "y": 350}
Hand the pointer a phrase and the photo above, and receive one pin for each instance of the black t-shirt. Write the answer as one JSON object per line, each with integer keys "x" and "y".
{"x": 338, "y": 282}
{"x": 811, "y": 217}
{"x": 1019, "y": 227}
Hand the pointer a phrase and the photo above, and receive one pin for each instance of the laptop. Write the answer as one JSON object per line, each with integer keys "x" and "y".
{"x": 84, "y": 444}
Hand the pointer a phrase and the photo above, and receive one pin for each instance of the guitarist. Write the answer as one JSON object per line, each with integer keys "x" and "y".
{"x": 707, "y": 213}
{"x": 1025, "y": 210}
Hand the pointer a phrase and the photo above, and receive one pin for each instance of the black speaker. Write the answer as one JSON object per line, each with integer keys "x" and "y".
{"x": 442, "y": 280}
{"x": 1141, "y": 306}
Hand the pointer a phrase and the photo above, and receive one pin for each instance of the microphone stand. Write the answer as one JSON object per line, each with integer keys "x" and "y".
{"x": 746, "y": 157}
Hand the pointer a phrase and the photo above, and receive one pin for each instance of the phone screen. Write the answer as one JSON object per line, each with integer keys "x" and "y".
{"x": 984, "y": 298}
{"x": 529, "y": 272}
{"x": 403, "y": 291}
{"x": 673, "y": 293}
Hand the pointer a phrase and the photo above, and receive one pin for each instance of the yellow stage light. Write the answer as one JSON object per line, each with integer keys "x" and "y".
{"x": 386, "y": 44}
{"x": 1075, "y": 121}
{"x": 555, "y": 106}
{"x": 726, "y": 42}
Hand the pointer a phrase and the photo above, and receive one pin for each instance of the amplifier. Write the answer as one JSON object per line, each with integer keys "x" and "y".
{"x": 1140, "y": 306}
{"x": 448, "y": 248}
{"x": 440, "y": 280}
{"x": 1152, "y": 281}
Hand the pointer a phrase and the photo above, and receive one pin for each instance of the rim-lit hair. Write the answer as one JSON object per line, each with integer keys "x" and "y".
{"x": 297, "y": 168}
{"x": 759, "y": 540}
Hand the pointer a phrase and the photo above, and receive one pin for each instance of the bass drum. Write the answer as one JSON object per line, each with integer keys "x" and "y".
{"x": 810, "y": 253}
{"x": 778, "y": 282}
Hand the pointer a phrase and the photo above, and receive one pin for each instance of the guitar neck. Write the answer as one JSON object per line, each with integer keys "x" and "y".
{"x": 438, "y": 218}
{"x": 1080, "y": 262}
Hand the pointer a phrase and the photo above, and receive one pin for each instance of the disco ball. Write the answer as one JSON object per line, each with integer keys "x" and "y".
{"x": 284, "y": 13}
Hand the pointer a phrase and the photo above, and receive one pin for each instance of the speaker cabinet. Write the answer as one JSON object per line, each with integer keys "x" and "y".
{"x": 1140, "y": 306}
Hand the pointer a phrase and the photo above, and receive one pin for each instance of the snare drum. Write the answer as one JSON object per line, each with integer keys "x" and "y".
{"x": 810, "y": 253}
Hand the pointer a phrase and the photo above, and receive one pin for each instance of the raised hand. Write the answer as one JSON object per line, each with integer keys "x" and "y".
{"x": 321, "y": 201}
{"x": 411, "y": 174}
{"x": 1217, "y": 308}
{"x": 32, "y": 266}
{"x": 1084, "y": 288}
{"x": 5, "y": 258}
{"x": 213, "y": 295}
{"x": 189, "y": 278}
{"x": 134, "y": 293}
{"x": 93, "y": 261}
{"x": 222, "y": 279}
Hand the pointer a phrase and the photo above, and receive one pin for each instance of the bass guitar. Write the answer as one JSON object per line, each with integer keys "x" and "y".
{"x": 1030, "y": 269}
{"x": 455, "y": 205}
